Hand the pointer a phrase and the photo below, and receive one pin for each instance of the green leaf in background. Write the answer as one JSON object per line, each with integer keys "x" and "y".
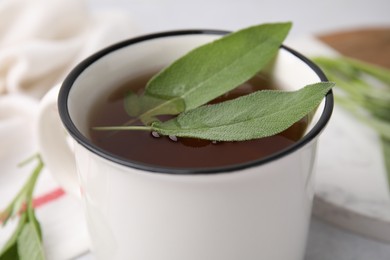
{"x": 213, "y": 69}
{"x": 10, "y": 249}
{"x": 386, "y": 154}
{"x": 365, "y": 93}
{"x": 29, "y": 243}
{"x": 260, "y": 114}
{"x": 136, "y": 105}
{"x": 382, "y": 127}
{"x": 377, "y": 72}
{"x": 26, "y": 241}
{"x": 353, "y": 68}
{"x": 353, "y": 78}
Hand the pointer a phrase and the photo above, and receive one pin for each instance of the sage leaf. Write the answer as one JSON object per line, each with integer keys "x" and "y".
{"x": 26, "y": 240}
{"x": 135, "y": 105}
{"x": 11, "y": 253}
{"x": 33, "y": 219}
{"x": 365, "y": 99}
{"x": 350, "y": 66}
{"x": 260, "y": 114}
{"x": 386, "y": 155}
{"x": 381, "y": 126}
{"x": 29, "y": 243}
{"x": 132, "y": 104}
{"x": 351, "y": 76}
{"x": 214, "y": 69}
{"x": 10, "y": 249}
{"x": 13, "y": 208}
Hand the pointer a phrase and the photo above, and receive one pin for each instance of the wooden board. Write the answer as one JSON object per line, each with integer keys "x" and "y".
{"x": 371, "y": 45}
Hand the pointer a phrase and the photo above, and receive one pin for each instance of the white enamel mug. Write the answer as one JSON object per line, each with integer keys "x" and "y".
{"x": 256, "y": 210}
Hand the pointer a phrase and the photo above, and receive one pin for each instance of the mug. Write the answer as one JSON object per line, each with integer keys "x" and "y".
{"x": 256, "y": 210}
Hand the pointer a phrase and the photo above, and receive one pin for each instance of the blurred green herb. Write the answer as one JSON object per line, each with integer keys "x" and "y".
{"x": 26, "y": 241}
{"x": 365, "y": 93}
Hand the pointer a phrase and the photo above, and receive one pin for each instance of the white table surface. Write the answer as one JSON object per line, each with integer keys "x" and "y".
{"x": 325, "y": 242}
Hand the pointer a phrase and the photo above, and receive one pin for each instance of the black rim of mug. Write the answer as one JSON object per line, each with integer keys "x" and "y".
{"x": 84, "y": 141}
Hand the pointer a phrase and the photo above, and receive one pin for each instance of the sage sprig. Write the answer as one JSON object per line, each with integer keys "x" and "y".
{"x": 364, "y": 92}
{"x": 26, "y": 241}
{"x": 211, "y": 70}
{"x": 260, "y": 114}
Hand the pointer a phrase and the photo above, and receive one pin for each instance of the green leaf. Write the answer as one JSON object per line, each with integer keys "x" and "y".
{"x": 386, "y": 156}
{"x": 132, "y": 104}
{"x": 14, "y": 207}
{"x": 382, "y": 127}
{"x": 213, "y": 69}
{"x": 33, "y": 219}
{"x": 10, "y": 249}
{"x": 380, "y": 73}
{"x": 11, "y": 253}
{"x": 29, "y": 243}
{"x": 355, "y": 79}
{"x": 135, "y": 105}
{"x": 260, "y": 114}
{"x": 368, "y": 102}
{"x": 21, "y": 244}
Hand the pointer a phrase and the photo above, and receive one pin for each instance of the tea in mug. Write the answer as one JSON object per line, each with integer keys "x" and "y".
{"x": 174, "y": 152}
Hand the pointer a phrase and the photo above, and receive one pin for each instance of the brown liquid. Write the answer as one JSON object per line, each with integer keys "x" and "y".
{"x": 141, "y": 146}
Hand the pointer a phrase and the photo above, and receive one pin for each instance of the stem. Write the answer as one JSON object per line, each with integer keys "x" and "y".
{"x": 121, "y": 128}
{"x": 29, "y": 159}
{"x": 34, "y": 177}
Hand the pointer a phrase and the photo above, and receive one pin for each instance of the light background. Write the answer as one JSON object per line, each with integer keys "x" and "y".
{"x": 308, "y": 16}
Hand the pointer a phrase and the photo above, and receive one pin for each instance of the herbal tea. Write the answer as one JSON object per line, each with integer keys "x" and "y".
{"x": 150, "y": 148}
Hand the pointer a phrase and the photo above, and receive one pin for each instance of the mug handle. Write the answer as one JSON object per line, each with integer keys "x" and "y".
{"x": 55, "y": 151}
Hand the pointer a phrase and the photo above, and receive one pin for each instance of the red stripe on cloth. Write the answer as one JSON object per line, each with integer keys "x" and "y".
{"x": 48, "y": 197}
{"x": 38, "y": 202}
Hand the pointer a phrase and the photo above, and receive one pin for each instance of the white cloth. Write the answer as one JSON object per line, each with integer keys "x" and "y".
{"x": 40, "y": 41}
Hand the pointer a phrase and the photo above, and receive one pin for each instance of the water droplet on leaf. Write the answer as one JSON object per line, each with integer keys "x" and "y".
{"x": 173, "y": 138}
{"x": 155, "y": 134}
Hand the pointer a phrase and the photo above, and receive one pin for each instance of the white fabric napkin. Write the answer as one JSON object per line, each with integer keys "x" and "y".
{"x": 40, "y": 41}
